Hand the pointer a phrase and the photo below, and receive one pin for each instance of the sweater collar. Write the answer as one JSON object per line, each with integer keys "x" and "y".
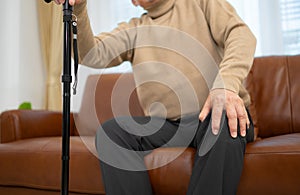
{"x": 161, "y": 8}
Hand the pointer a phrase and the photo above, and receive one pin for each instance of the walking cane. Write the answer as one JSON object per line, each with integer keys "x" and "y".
{"x": 67, "y": 80}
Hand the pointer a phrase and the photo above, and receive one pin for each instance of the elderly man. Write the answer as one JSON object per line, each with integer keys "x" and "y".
{"x": 189, "y": 59}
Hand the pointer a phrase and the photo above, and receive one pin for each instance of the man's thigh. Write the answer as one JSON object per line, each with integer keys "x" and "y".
{"x": 152, "y": 132}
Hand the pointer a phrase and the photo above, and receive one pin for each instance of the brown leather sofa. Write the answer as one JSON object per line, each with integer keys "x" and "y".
{"x": 30, "y": 149}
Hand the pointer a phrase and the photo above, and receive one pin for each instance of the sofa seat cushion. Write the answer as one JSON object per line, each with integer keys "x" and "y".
{"x": 275, "y": 157}
{"x": 36, "y": 163}
{"x": 289, "y": 143}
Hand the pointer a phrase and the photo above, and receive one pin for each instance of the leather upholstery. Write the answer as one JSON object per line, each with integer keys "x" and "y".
{"x": 23, "y": 124}
{"x": 30, "y": 149}
{"x": 274, "y": 87}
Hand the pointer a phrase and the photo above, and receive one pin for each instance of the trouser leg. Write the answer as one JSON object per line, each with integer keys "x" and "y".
{"x": 124, "y": 172}
{"x": 122, "y": 143}
{"x": 112, "y": 143}
{"x": 218, "y": 171}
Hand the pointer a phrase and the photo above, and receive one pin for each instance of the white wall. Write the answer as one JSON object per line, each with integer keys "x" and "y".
{"x": 22, "y": 76}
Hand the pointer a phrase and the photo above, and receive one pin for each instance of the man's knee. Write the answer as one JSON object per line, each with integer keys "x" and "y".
{"x": 225, "y": 137}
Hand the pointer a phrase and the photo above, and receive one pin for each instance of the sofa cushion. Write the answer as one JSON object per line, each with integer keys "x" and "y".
{"x": 36, "y": 163}
{"x": 272, "y": 166}
{"x": 273, "y": 84}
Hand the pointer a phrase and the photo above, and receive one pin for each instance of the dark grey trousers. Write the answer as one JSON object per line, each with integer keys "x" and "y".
{"x": 123, "y": 142}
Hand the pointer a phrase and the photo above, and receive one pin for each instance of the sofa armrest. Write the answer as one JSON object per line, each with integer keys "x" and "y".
{"x": 23, "y": 124}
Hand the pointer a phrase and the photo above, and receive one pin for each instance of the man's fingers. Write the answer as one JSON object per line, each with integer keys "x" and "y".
{"x": 59, "y": 1}
{"x": 235, "y": 111}
{"x": 218, "y": 105}
{"x": 243, "y": 119}
{"x": 216, "y": 118}
{"x": 205, "y": 110}
{"x": 72, "y": 2}
{"x": 232, "y": 120}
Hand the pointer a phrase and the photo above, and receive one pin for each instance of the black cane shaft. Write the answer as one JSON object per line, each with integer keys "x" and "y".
{"x": 66, "y": 80}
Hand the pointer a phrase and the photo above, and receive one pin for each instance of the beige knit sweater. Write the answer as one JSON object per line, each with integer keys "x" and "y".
{"x": 179, "y": 50}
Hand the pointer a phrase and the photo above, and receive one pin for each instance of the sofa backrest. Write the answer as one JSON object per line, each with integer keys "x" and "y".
{"x": 273, "y": 84}
{"x": 274, "y": 87}
{"x": 106, "y": 96}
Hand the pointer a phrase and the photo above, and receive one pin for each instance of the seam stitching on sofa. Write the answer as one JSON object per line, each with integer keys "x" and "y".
{"x": 263, "y": 153}
{"x": 290, "y": 93}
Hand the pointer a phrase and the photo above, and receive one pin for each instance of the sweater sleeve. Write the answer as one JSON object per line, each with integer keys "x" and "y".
{"x": 105, "y": 49}
{"x": 236, "y": 40}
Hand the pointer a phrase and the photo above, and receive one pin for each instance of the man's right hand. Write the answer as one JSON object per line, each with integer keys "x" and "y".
{"x": 71, "y": 2}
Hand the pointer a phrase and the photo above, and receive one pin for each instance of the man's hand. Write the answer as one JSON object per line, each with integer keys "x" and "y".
{"x": 220, "y": 99}
{"x": 71, "y": 2}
